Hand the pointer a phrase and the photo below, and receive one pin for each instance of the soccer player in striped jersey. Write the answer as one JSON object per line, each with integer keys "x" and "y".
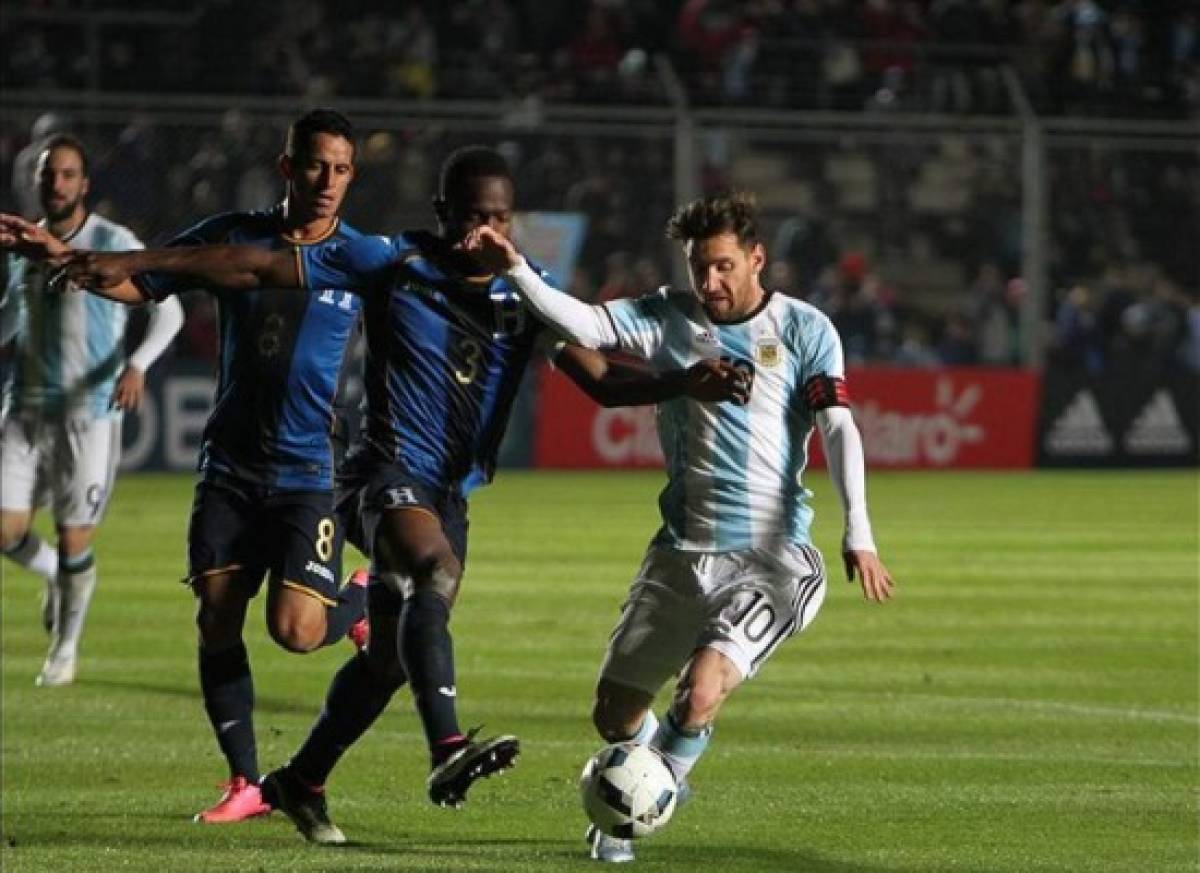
{"x": 63, "y": 404}
{"x": 264, "y": 502}
{"x": 732, "y": 571}
{"x": 447, "y": 345}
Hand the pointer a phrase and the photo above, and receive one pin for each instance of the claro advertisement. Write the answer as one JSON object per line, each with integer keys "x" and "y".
{"x": 910, "y": 419}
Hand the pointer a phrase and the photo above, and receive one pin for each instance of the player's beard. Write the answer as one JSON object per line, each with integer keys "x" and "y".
{"x": 63, "y": 212}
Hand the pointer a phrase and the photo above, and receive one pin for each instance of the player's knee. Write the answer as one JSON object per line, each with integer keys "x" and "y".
{"x": 13, "y": 529}
{"x": 439, "y": 574}
{"x": 220, "y": 612}
{"x": 618, "y": 712}
{"x": 613, "y": 724}
{"x": 297, "y": 631}
{"x": 216, "y": 627}
{"x": 73, "y": 541}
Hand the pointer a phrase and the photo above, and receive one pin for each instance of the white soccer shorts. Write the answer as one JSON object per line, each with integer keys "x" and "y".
{"x": 743, "y": 604}
{"x": 75, "y": 460}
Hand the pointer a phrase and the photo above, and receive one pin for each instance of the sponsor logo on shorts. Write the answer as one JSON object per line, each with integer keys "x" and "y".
{"x": 320, "y": 570}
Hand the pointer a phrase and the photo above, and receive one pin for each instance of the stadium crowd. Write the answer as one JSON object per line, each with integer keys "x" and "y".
{"x": 1090, "y": 57}
{"x": 1126, "y": 275}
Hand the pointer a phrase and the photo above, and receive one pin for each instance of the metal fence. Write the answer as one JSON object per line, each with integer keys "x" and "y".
{"x": 929, "y": 238}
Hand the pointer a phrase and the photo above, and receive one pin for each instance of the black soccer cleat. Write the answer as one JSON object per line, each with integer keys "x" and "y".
{"x": 304, "y": 805}
{"x": 450, "y": 780}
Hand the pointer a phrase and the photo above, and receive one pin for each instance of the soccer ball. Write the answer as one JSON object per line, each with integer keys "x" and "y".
{"x": 628, "y": 790}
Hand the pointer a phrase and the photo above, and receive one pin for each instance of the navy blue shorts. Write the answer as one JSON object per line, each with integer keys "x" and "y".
{"x": 368, "y": 487}
{"x": 293, "y": 536}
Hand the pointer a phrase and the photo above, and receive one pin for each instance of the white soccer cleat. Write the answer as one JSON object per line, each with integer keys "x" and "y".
{"x": 611, "y": 850}
{"x": 56, "y": 671}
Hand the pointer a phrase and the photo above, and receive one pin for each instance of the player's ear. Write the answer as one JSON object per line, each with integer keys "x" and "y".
{"x": 758, "y": 258}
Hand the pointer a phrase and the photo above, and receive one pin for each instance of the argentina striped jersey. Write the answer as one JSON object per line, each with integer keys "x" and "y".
{"x": 734, "y": 472}
{"x": 69, "y": 346}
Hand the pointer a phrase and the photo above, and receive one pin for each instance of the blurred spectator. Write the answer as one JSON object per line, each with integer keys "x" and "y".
{"x": 995, "y": 305}
{"x": 1078, "y": 338}
{"x": 1189, "y": 347}
{"x": 618, "y": 278}
{"x": 914, "y": 349}
{"x": 595, "y": 53}
{"x": 859, "y": 309}
{"x": 957, "y": 345}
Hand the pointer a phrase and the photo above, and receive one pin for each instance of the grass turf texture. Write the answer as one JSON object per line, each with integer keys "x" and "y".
{"x": 1028, "y": 703}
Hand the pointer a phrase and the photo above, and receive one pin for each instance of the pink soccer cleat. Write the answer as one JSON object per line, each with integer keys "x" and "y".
{"x": 242, "y": 800}
{"x": 359, "y": 634}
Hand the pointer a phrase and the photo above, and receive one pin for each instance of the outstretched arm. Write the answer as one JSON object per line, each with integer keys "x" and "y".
{"x": 613, "y": 382}
{"x": 225, "y": 266}
{"x": 581, "y": 323}
{"x": 37, "y": 244}
{"x": 844, "y": 453}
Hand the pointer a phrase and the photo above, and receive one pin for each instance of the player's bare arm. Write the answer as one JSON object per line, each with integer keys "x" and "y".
{"x": 30, "y": 240}
{"x": 226, "y": 266}
{"x": 36, "y": 243}
{"x": 615, "y": 382}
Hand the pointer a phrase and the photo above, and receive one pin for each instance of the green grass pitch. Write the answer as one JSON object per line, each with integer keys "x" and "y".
{"x": 1027, "y": 703}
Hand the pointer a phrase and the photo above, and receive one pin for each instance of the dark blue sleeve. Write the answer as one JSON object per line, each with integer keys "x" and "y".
{"x": 359, "y": 265}
{"x": 211, "y": 231}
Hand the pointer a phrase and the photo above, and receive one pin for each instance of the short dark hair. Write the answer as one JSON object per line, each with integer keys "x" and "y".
{"x": 462, "y": 166}
{"x": 733, "y": 212}
{"x": 301, "y": 131}
{"x": 68, "y": 141}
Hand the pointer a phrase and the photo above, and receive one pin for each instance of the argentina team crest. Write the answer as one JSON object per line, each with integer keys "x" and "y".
{"x": 768, "y": 352}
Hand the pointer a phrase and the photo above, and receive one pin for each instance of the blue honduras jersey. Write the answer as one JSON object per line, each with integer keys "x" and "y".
{"x": 281, "y": 350}
{"x": 445, "y": 354}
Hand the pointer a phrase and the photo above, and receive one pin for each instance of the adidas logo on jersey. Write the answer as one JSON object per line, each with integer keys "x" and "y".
{"x": 1079, "y": 429}
{"x": 1157, "y": 430}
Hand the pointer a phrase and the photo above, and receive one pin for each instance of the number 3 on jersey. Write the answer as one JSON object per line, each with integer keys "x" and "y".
{"x": 468, "y": 354}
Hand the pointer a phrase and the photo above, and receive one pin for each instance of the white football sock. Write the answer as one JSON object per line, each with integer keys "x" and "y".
{"x": 682, "y": 749}
{"x": 74, "y": 596}
{"x": 33, "y": 553}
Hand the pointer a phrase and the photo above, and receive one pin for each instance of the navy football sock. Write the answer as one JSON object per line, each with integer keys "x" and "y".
{"x": 356, "y": 699}
{"x": 427, "y": 653}
{"x": 228, "y": 691}
{"x": 351, "y": 606}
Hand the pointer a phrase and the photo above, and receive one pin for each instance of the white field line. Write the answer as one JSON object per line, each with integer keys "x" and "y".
{"x": 1085, "y": 709}
{"x": 824, "y": 697}
{"x": 726, "y": 747}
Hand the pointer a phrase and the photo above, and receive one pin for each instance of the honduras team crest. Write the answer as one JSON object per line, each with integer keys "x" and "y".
{"x": 768, "y": 353}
